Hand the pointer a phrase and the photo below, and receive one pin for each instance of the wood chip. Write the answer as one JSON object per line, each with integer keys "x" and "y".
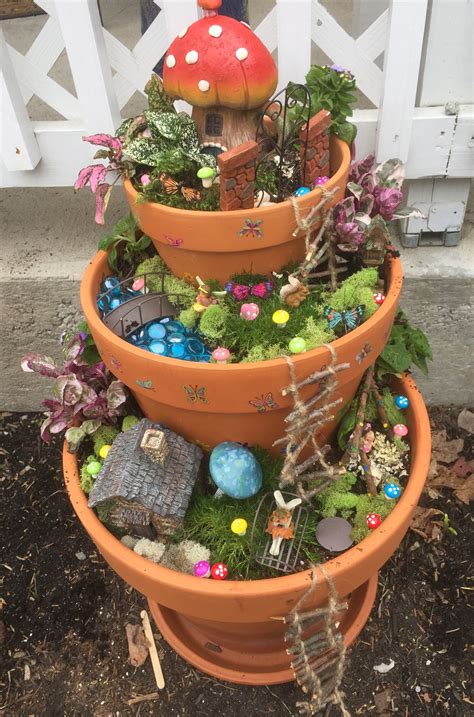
{"x": 155, "y": 660}
{"x": 137, "y": 644}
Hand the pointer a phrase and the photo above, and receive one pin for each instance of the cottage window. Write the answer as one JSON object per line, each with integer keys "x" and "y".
{"x": 214, "y": 124}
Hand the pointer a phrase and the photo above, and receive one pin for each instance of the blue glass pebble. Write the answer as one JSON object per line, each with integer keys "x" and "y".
{"x": 114, "y": 303}
{"x": 392, "y": 491}
{"x": 301, "y": 191}
{"x": 175, "y": 326}
{"x": 158, "y": 347}
{"x": 113, "y": 284}
{"x": 177, "y": 350}
{"x": 195, "y": 347}
{"x": 235, "y": 470}
{"x": 175, "y": 338}
{"x": 155, "y": 330}
{"x": 165, "y": 321}
{"x": 402, "y": 402}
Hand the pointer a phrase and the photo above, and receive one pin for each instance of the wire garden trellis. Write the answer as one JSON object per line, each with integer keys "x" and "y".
{"x": 282, "y": 136}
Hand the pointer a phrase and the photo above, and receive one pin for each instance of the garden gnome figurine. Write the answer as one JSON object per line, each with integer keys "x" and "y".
{"x": 280, "y": 525}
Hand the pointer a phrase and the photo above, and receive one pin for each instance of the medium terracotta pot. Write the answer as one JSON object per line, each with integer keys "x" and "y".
{"x": 228, "y": 629}
{"x": 215, "y": 245}
{"x": 211, "y": 403}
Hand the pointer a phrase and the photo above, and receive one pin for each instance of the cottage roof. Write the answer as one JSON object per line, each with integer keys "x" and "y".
{"x": 128, "y": 474}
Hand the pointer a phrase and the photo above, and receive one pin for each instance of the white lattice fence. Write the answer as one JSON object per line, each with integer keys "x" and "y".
{"x": 107, "y": 74}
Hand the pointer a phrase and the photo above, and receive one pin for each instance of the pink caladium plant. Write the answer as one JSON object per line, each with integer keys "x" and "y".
{"x": 84, "y": 396}
{"x": 373, "y": 194}
{"x": 95, "y": 174}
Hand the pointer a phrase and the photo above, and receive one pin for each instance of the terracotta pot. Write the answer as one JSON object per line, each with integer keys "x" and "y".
{"x": 211, "y": 403}
{"x": 228, "y": 628}
{"x": 215, "y": 245}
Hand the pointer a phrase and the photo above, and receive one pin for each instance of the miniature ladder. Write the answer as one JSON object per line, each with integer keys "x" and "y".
{"x": 303, "y": 423}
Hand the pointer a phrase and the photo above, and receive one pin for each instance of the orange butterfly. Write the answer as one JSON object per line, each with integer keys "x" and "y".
{"x": 171, "y": 186}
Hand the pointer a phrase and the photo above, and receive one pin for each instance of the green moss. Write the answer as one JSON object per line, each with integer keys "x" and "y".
{"x": 188, "y": 318}
{"x": 339, "y": 498}
{"x": 213, "y": 322}
{"x": 394, "y": 415}
{"x": 262, "y": 352}
{"x": 369, "y": 504}
{"x": 316, "y": 333}
{"x": 350, "y": 295}
{"x": 128, "y": 422}
{"x": 86, "y": 480}
{"x": 172, "y": 284}
{"x": 103, "y": 436}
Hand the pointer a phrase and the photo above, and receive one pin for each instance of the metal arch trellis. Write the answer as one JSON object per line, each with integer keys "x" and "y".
{"x": 281, "y": 144}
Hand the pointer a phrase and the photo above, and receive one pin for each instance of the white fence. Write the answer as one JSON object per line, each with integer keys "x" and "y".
{"x": 412, "y": 35}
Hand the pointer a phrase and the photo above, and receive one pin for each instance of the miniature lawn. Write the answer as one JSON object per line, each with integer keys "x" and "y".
{"x": 62, "y": 628}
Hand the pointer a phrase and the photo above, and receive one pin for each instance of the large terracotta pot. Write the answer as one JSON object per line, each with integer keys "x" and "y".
{"x": 215, "y": 245}
{"x": 211, "y": 403}
{"x": 228, "y": 629}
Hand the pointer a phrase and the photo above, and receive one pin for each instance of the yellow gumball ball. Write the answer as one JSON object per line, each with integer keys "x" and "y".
{"x": 104, "y": 451}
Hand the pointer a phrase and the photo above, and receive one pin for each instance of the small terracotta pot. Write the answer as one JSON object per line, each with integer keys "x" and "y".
{"x": 211, "y": 403}
{"x": 228, "y": 628}
{"x": 215, "y": 245}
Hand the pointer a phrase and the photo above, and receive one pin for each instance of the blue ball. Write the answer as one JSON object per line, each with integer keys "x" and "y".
{"x": 155, "y": 330}
{"x": 235, "y": 470}
{"x": 392, "y": 491}
{"x": 402, "y": 402}
{"x": 301, "y": 191}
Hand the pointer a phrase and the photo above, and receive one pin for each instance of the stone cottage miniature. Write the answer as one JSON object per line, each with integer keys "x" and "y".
{"x": 147, "y": 479}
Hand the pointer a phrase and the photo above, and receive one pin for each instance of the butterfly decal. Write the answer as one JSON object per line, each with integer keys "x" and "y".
{"x": 251, "y": 230}
{"x": 173, "y": 242}
{"x": 264, "y": 402}
{"x": 196, "y": 393}
{"x": 171, "y": 186}
{"x": 145, "y": 383}
{"x": 350, "y": 319}
{"x": 364, "y": 352}
{"x": 115, "y": 363}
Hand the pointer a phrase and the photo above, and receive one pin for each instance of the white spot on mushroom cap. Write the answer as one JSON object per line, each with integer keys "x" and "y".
{"x": 170, "y": 61}
{"x": 242, "y": 53}
{"x": 203, "y": 85}
{"x": 191, "y": 57}
{"x": 215, "y": 31}
{"x": 183, "y": 32}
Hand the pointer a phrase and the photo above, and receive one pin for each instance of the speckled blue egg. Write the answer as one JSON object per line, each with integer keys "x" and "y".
{"x": 235, "y": 470}
{"x": 402, "y": 402}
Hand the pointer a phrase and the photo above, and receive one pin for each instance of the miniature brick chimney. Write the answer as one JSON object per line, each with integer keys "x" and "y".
{"x": 315, "y": 161}
{"x": 154, "y": 445}
{"x": 237, "y": 176}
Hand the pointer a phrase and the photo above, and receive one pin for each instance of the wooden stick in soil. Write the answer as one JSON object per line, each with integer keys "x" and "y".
{"x": 352, "y": 448}
{"x": 381, "y": 410}
{"x": 368, "y": 477}
{"x": 155, "y": 660}
{"x": 143, "y": 698}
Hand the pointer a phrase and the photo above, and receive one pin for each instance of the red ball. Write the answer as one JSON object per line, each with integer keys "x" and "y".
{"x": 379, "y": 298}
{"x": 373, "y": 520}
{"x": 219, "y": 571}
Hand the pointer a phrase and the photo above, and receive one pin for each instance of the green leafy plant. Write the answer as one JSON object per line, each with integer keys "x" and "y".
{"x": 407, "y": 345}
{"x": 331, "y": 88}
{"x": 126, "y": 241}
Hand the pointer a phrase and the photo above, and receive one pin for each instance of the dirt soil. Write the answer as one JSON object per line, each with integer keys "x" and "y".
{"x": 63, "y": 614}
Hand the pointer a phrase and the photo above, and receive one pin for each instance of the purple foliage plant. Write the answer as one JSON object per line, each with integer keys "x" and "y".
{"x": 84, "y": 397}
{"x": 373, "y": 196}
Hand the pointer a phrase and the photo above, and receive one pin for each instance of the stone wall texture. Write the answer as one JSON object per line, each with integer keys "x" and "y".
{"x": 315, "y": 148}
{"x": 237, "y": 177}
